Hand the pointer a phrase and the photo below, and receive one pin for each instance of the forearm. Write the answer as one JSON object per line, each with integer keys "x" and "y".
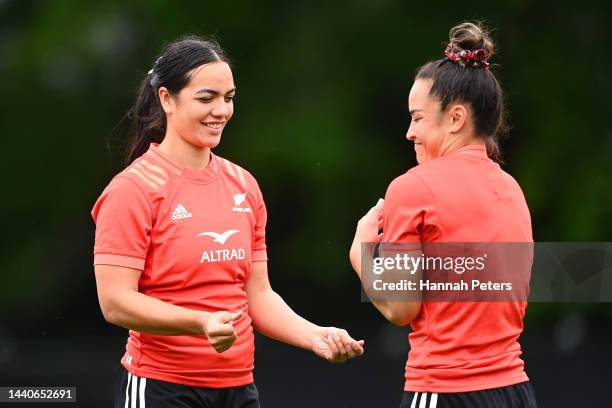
{"x": 275, "y": 319}
{"x": 397, "y": 312}
{"x": 139, "y": 312}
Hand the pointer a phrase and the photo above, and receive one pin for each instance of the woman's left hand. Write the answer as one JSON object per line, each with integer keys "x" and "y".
{"x": 335, "y": 345}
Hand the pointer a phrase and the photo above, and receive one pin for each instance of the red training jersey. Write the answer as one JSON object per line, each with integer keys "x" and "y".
{"x": 194, "y": 235}
{"x": 460, "y": 197}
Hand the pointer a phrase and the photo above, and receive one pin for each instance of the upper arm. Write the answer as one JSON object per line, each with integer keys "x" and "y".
{"x": 113, "y": 282}
{"x": 259, "y": 229}
{"x": 123, "y": 218}
{"x": 258, "y": 281}
{"x": 407, "y": 202}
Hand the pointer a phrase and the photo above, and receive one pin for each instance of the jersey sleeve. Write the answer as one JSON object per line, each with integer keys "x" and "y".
{"x": 409, "y": 204}
{"x": 259, "y": 230}
{"x": 123, "y": 220}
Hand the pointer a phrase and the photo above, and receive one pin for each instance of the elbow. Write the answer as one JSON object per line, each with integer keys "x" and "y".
{"x": 110, "y": 311}
{"x": 404, "y": 316}
{"x": 400, "y": 320}
{"x": 109, "y": 314}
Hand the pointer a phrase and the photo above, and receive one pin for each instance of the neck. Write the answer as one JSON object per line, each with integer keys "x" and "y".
{"x": 183, "y": 153}
{"x": 455, "y": 142}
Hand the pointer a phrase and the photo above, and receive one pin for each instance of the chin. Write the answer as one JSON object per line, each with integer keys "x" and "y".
{"x": 214, "y": 142}
{"x": 209, "y": 141}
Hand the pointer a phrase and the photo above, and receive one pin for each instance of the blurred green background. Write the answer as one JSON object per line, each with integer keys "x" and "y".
{"x": 320, "y": 120}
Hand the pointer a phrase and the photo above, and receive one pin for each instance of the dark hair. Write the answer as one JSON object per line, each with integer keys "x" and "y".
{"x": 464, "y": 75}
{"x": 172, "y": 70}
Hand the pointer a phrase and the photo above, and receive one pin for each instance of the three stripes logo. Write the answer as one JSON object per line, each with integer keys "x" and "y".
{"x": 180, "y": 212}
{"x": 150, "y": 174}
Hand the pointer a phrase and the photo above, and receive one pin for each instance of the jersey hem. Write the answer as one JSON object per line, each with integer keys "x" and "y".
{"x": 191, "y": 382}
{"x": 119, "y": 260}
{"x": 421, "y": 387}
{"x": 260, "y": 255}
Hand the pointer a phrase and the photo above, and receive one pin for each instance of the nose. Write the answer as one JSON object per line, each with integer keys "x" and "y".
{"x": 221, "y": 109}
{"x": 410, "y": 135}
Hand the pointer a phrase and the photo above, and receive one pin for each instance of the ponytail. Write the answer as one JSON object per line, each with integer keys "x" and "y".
{"x": 148, "y": 121}
{"x": 493, "y": 149}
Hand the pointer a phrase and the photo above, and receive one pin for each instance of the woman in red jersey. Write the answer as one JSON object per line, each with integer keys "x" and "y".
{"x": 462, "y": 354}
{"x": 180, "y": 251}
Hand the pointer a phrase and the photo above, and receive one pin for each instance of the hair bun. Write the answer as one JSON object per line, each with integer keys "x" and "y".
{"x": 469, "y": 45}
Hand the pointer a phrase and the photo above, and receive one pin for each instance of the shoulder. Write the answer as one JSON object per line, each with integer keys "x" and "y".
{"x": 445, "y": 175}
{"x": 137, "y": 186}
{"x": 439, "y": 167}
{"x": 419, "y": 177}
{"x": 508, "y": 178}
{"x": 410, "y": 187}
{"x": 236, "y": 173}
{"x": 145, "y": 173}
{"x": 145, "y": 177}
{"x": 409, "y": 179}
{"x": 512, "y": 186}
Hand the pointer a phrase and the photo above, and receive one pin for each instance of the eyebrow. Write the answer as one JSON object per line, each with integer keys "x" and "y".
{"x": 212, "y": 91}
{"x": 415, "y": 110}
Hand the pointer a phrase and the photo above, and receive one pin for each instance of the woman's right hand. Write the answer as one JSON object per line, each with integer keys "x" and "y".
{"x": 368, "y": 230}
{"x": 220, "y": 330}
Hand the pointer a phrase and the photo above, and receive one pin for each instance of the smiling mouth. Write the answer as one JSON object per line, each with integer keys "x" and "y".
{"x": 214, "y": 125}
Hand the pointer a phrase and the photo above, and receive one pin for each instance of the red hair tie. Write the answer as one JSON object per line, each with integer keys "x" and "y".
{"x": 478, "y": 56}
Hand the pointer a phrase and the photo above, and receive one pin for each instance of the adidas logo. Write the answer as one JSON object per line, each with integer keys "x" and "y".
{"x": 180, "y": 212}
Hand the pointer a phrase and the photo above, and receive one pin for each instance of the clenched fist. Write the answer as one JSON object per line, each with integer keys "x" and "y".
{"x": 220, "y": 330}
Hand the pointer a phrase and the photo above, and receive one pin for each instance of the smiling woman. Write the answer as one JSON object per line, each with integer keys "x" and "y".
{"x": 191, "y": 98}
{"x": 462, "y": 354}
{"x": 180, "y": 248}
{"x": 458, "y": 91}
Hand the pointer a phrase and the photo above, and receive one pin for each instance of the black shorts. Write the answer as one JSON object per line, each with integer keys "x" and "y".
{"x": 139, "y": 392}
{"x": 513, "y": 396}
